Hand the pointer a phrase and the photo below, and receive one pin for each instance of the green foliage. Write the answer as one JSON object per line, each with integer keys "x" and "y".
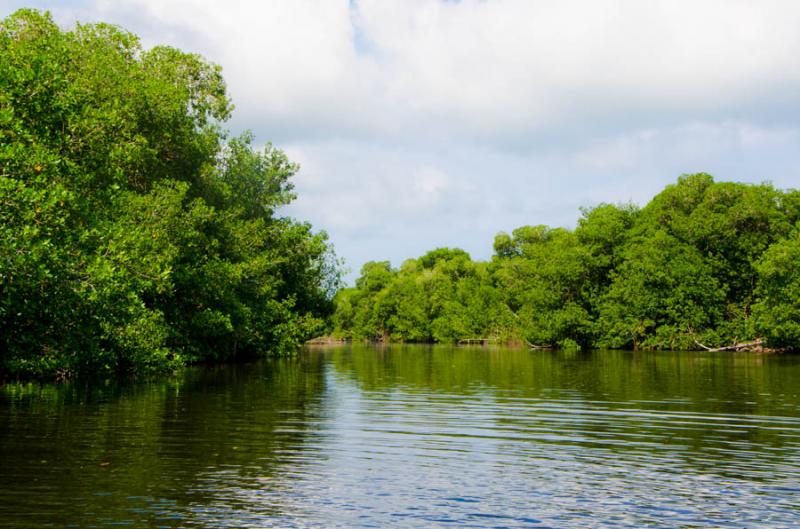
{"x": 133, "y": 236}
{"x": 604, "y": 230}
{"x": 662, "y": 292}
{"x": 542, "y": 279}
{"x": 731, "y": 224}
{"x": 707, "y": 262}
{"x": 777, "y": 313}
{"x": 444, "y": 296}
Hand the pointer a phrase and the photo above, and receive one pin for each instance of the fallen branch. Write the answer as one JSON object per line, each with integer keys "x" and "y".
{"x": 701, "y": 345}
{"x": 735, "y": 347}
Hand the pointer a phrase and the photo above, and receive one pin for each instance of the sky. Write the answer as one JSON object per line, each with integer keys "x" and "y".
{"x": 428, "y": 123}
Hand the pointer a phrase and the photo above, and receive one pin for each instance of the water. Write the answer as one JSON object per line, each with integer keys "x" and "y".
{"x": 414, "y": 437}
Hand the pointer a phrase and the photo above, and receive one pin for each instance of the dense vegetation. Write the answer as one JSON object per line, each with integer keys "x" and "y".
{"x": 134, "y": 234}
{"x": 711, "y": 263}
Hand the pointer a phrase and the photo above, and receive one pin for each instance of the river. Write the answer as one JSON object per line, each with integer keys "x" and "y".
{"x": 410, "y": 436}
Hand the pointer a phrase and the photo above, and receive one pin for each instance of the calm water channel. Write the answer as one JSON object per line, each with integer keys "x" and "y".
{"x": 414, "y": 437}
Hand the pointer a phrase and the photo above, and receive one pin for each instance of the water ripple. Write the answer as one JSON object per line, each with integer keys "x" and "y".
{"x": 338, "y": 444}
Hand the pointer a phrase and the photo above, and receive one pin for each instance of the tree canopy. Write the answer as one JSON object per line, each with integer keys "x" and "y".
{"x": 705, "y": 263}
{"x": 134, "y": 234}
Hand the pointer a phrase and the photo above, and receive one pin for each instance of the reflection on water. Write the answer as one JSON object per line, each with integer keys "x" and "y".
{"x": 415, "y": 437}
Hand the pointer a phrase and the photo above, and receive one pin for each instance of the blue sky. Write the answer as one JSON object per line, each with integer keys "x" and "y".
{"x": 421, "y": 123}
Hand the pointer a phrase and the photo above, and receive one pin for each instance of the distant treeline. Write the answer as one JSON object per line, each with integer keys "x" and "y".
{"x": 134, "y": 235}
{"x": 704, "y": 264}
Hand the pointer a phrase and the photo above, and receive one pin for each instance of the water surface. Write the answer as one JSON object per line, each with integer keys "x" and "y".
{"x": 414, "y": 437}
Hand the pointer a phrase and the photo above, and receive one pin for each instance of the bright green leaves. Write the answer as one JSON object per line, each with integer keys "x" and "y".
{"x": 662, "y": 293}
{"x": 110, "y": 112}
{"x": 192, "y": 80}
{"x": 132, "y": 236}
{"x": 543, "y": 279}
{"x": 777, "y": 313}
{"x": 258, "y": 182}
{"x": 703, "y": 262}
{"x": 443, "y": 296}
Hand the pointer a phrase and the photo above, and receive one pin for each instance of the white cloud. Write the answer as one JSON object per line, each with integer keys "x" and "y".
{"x": 382, "y": 201}
{"x": 480, "y": 69}
{"x": 423, "y": 123}
{"x": 429, "y": 183}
